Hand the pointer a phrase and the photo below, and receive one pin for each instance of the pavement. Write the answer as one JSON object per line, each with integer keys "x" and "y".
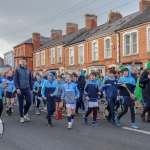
{"x": 36, "y": 135}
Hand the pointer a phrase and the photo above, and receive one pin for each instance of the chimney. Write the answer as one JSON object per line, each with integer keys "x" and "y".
{"x": 56, "y": 34}
{"x": 144, "y": 4}
{"x": 90, "y": 21}
{"x": 71, "y": 27}
{"x": 113, "y": 16}
{"x": 36, "y": 40}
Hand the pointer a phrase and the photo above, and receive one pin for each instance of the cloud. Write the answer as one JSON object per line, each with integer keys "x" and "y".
{"x": 20, "y": 18}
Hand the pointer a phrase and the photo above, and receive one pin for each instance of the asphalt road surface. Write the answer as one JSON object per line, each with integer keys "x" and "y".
{"x": 36, "y": 135}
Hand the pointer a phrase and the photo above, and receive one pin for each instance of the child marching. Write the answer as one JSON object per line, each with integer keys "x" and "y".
{"x": 92, "y": 93}
{"x": 8, "y": 83}
{"x": 49, "y": 91}
{"x": 70, "y": 94}
{"x": 110, "y": 88}
{"x": 126, "y": 86}
{"x": 59, "y": 103}
{"x": 37, "y": 89}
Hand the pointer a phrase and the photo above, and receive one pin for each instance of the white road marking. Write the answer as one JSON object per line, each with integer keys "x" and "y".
{"x": 136, "y": 130}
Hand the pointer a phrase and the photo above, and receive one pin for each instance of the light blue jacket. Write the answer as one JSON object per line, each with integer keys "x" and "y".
{"x": 1, "y": 91}
{"x": 11, "y": 86}
{"x": 69, "y": 92}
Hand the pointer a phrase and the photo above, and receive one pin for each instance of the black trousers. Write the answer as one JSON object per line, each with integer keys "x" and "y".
{"x": 1, "y": 107}
{"x": 125, "y": 110}
{"x": 94, "y": 109}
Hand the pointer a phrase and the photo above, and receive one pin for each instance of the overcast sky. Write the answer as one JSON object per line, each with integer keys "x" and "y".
{"x": 20, "y": 18}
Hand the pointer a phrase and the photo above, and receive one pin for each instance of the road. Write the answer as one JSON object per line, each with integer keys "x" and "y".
{"x": 36, "y": 135}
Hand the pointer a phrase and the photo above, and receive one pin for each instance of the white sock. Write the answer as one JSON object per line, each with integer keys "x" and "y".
{"x": 69, "y": 123}
{"x": 72, "y": 121}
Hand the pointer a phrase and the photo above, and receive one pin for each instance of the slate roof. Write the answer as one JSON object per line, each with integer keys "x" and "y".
{"x": 44, "y": 40}
{"x": 104, "y": 29}
{"x": 140, "y": 19}
{"x": 64, "y": 39}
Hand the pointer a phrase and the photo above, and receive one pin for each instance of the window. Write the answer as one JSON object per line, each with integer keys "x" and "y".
{"x": 71, "y": 56}
{"x": 81, "y": 54}
{"x": 95, "y": 51}
{"x": 59, "y": 55}
{"x": 37, "y": 60}
{"x": 107, "y": 48}
{"x": 22, "y": 51}
{"x": 148, "y": 38}
{"x": 52, "y": 56}
{"x": 43, "y": 59}
{"x": 130, "y": 43}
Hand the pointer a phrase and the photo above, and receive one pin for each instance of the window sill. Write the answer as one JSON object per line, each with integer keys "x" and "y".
{"x": 95, "y": 60}
{"x": 131, "y": 55}
{"x": 108, "y": 58}
{"x": 59, "y": 62}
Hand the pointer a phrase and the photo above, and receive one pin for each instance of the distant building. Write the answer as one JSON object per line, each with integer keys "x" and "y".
{"x": 5, "y": 68}
{"x": 9, "y": 58}
{"x": 1, "y": 61}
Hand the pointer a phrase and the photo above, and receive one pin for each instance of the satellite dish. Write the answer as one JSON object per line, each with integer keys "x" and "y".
{"x": 1, "y": 128}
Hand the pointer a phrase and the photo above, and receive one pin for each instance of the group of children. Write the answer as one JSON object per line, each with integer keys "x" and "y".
{"x": 75, "y": 91}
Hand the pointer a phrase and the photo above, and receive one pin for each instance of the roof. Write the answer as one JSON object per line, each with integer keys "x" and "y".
{"x": 86, "y": 34}
{"x": 104, "y": 29}
{"x": 44, "y": 40}
{"x": 64, "y": 39}
{"x": 139, "y": 19}
{"x": 116, "y": 25}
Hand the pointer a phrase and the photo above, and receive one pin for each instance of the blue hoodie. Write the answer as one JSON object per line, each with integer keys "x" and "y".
{"x": 91, "y": 90}
{"x": 37, "y": 85}
{"x": 1, "y": 91}
{"x": 60, "y": 87}
{"x": 130, "y": 83}
{"x": 49, "y": 87}
{"x": 69, "y": 92}
{"x": 110, "y": 88}
{"x": 10, "y": 82}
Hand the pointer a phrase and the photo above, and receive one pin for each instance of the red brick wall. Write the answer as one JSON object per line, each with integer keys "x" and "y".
{"x": 143, "y": 55}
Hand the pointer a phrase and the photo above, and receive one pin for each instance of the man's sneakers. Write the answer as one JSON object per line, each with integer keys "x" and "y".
{"x": 37, "y": 112}
{"x": 134, "y": 126}
{"x": 117, "y": 122}
{"x": 85, "y": 120}
{"x": 95, "y": 123}
{"x": 22, "y": 120}
{"x": 26, "y": 118}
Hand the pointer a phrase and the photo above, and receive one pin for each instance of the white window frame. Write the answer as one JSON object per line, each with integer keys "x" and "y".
{"x": 53, "y": 56}
{"x": 59, "y": 58}
{"x": 79, "y": 60}
{"x": 131, "y": 48}
{"x": 72, "y": 48}
{"x": 148, "y": 39}
{"x": 43, "y": 58}
{"x": 105, "y": 48}
{"x": 37, "y": 60}
{"x": 97, "y": 57}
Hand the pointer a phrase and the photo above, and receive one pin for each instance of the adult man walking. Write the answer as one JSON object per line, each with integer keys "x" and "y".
{"x": 23, "y": 84}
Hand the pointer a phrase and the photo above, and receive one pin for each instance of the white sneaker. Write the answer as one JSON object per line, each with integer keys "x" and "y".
{"x": 22, "y": 120}
{"x": 26, "y": 118}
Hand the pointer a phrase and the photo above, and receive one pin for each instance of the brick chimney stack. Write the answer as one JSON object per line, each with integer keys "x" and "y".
{"x": 90, "y": 21}
{"x": 56, "y": 34}
{"x": 144, "y": 4}
{"x": 71, "y": 27}
{"x": 113, "y": 16}
{"x": 36, "y": 40}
